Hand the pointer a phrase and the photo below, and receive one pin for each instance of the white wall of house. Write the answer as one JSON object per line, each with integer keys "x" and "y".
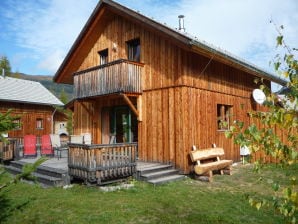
{"x": 60, "y": 128}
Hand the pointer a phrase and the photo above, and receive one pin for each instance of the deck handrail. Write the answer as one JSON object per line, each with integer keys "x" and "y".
{"x": 117, "y": 76}
{"x": 101, "y": 163}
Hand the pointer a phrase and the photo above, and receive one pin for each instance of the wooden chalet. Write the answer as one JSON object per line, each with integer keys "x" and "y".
{"x": 139, "y": 83}
{"x": 32, "y": 103}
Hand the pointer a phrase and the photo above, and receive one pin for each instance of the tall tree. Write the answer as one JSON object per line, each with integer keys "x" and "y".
{"x": 63, "y": 96}
{"x": 4, "y": 64}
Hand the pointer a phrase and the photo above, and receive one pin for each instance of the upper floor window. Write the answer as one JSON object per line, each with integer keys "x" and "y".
{"x": 103, "y": 56}
{"x": 39, "y": 123}
{"x": 224, "y": 113}
{"x": 134, "y": 50}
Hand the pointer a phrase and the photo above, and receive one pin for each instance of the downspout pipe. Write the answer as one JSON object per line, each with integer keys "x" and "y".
{"x": 52, "y": 129}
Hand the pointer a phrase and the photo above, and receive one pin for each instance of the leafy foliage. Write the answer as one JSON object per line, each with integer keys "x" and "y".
{"x": 26, "y": 174}
{"x": 4, "y": 64}
{"x": 6, "y": 123}
{"x": 69, "y": 124}
{"x": 276, "y": 132}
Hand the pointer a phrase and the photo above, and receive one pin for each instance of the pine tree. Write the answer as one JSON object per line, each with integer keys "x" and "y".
{"x": 4, "y": 64}
{"x": 7, "y": 123}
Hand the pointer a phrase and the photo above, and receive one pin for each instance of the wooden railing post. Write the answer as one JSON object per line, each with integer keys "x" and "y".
{"x": 102, "y": 163}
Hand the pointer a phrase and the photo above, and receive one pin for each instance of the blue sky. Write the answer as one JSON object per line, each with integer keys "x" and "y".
{"x": 36, "y": 35}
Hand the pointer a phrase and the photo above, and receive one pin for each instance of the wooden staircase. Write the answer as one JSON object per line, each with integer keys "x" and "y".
{"x": 46, "y": 176}
{"x": 157, "y": 173}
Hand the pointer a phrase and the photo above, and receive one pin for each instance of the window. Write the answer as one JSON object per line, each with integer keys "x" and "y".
{"x": 17, "y": 123}
{"x": 123, "y": 125}
{"x": 103, "y": 56}
{"x": 224, "y": 113}
{"x": 134, "y": 50}
{"x": 39, "y": 123}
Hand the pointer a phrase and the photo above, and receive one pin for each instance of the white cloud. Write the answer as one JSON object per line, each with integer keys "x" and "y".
{"x": 49, "y": 27}
{"x": 52, "y": 61}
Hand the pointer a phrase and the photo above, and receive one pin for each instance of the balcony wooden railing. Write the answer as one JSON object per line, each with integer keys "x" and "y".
{"x": 118, "y": 76}
{"x": 102, "y": 163}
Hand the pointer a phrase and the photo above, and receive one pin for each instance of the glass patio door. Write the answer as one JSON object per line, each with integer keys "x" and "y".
{"x": 123, "y": 125}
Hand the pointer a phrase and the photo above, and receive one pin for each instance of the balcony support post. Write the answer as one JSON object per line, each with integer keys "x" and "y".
{"x": 140, "y": 106}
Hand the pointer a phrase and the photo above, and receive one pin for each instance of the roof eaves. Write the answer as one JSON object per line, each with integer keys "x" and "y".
{"x": 30, "y": 102}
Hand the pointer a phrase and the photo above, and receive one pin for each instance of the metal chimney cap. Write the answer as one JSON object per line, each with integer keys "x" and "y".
{"x": 181, "y": 23}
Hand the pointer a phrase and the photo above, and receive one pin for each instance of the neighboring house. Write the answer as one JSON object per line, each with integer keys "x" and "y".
{"x": 60, "y": 123}
{"x": 32, "y": 103}
{"x": 137, "y": 80}
{"x": 284, "y": 100}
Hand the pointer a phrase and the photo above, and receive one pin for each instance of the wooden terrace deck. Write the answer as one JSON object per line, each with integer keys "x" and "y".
{"x": 62, "y": 163}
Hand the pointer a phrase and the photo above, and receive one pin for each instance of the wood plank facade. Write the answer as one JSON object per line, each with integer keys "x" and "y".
{"x": 182, "y": 87}
{"x": 29, "y": 117}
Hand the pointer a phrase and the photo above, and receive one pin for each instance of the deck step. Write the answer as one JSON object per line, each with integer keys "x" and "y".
{"x": 157, "y": 173}
{"x": 49, "y": 181}
{"x": 157, "y": 167}
{"x": 166, "y": 179}
{"x": 46, "y": 176}
{"x": 18, "y": 164}
{"x": 13, "y": 170}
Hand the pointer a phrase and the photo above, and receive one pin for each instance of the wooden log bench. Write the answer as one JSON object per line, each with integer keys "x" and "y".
{"x": 207, "y": 161}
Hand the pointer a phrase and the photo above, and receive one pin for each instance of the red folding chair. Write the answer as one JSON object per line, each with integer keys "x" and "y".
{"x": 30, "y": 146}
{"x": 46, "y": 146}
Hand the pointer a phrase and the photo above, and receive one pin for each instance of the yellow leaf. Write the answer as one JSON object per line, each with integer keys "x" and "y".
{"x": 258, "y": 205}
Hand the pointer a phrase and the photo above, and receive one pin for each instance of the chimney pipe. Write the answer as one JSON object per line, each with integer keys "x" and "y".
{"x": 3, "y": 72}
{"x": 181, "y": 23}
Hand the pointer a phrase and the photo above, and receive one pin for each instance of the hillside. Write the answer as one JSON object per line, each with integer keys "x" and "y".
{"x": 47, "y": 81}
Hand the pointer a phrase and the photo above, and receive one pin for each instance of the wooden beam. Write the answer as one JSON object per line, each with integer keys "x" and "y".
{"x": 86, "y": 108}
{"x": 88, "y": 111}
{"x": 130, "y": 104}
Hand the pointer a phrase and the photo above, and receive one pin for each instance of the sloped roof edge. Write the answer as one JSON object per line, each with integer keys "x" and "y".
{"x": 178, "y": 35}
{"x": 25, "y": 91}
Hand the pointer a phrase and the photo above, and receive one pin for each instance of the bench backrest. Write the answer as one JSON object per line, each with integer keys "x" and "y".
{"x": 206, "y": 154}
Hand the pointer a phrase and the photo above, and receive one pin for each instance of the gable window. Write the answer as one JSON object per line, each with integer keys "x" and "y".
{"x": 39, "y": 123}
{"x": 224, "y": 113}
{"x": 134, "y": 50}
{"x": 17, "y": 123}
{"x": 103, "y": 56}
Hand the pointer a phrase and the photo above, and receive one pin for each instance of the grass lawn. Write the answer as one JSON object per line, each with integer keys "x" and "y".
{"x": 187, "y": 201}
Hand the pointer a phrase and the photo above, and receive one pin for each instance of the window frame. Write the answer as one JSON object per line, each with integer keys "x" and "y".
{"x": 103, "y": 56}
{"x": 134, "y": 50}
{"x": 223, "y": 116}
{"x": 41, "y": 122}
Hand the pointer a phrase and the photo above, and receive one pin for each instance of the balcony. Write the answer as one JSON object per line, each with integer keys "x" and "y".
{"x": 117, "y": 76}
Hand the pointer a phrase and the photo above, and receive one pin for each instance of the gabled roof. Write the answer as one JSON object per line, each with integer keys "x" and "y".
{"x": 187, "y": 41}
{"x": 24, "y": 91}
